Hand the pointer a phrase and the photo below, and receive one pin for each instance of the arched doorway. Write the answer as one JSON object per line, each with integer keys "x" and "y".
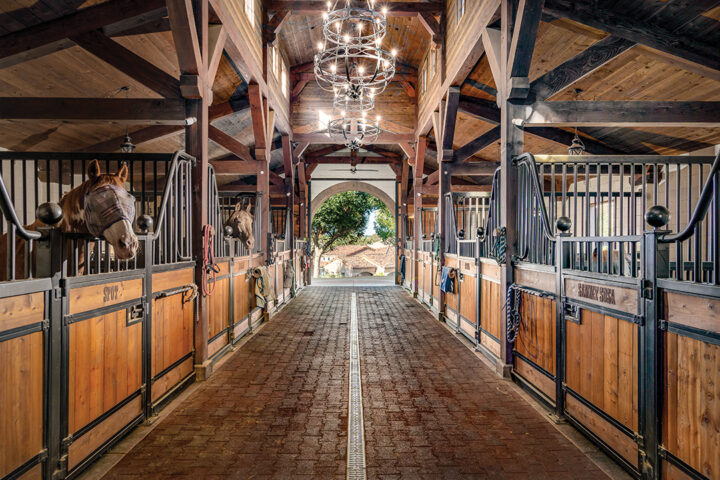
{"x": 373, "y": 254}
{"x": 349, "y": 187}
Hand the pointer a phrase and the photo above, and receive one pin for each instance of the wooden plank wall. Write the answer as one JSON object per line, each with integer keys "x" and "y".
{"x": 219, "y": 307}
{"x": 536, "y": 342}
{"x": 602, "y": 368}
{"x": 21, "y": 367}
{"x": 491, "y": 317}
{"x": 691, "y": 413}
{"x": 468, "y": 296}
{"x": 105, "y": 368}
{"x": 171, "y": 331}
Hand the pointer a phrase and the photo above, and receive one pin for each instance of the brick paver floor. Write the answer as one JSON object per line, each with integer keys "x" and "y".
{"x": 278, "y": 407}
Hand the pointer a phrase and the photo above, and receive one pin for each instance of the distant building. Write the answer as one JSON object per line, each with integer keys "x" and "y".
{"x": 359, "y": 260}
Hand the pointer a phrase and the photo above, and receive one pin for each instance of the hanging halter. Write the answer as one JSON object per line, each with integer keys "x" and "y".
{"x": 210, "y": 269}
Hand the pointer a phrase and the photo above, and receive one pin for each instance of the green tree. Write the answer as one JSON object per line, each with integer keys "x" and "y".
{"x": 385, "y": 224}
{"x": 340, "y": 220}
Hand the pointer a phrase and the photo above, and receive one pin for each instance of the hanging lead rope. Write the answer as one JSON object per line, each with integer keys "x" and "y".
{"x": 497, "y": 250}
{"x": 210, "y": 269}
{"x": 513, "y": 320}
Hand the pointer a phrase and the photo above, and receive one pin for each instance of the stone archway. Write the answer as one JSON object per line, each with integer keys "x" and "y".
{"x": 349, "y": 187}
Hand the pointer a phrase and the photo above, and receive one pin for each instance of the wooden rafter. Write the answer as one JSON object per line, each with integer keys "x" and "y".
{"x": 523, "y": 44}
{"x": 185, "y": 35}
{"x": 431, "y": 24}
{"x": 637, "y": 30}
{"x": 450, "y": 117}
{"x": 394, "y": 9}
{"x": 84, "y": 20}
{"x": 234, "y": 167}
{"x": 216, "y": 46}
{"x": 229, "y": 143}
{"x": 157, "y": 111}
{"x": 128, "y": 62}
{"x": 272, "y": 28}
{"x": 578, "y": 67}
{"x": 621, "y": 114}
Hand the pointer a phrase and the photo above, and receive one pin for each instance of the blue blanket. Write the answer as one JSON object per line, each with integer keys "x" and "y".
{"x": 447, "y": 284}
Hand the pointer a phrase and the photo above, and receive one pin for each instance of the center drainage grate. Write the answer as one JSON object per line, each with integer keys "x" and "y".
{"x": 356, "y": 434}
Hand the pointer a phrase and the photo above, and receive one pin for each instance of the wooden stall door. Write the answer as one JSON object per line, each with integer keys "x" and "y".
{"x": 219, "y": 311}
{"x": 601, "y": 369}
{"x": 491, "y": 316}
{"x": 22, "y": 376}
{"x": 104, "y": 358}
{"x": 535, "y": 347}
{"x": 691, "y": 406}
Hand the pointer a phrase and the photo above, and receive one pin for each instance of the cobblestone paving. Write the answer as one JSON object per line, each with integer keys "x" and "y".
{"x": 278, "y": 407}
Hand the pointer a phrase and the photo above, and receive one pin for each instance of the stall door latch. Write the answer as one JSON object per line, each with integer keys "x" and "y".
{"x": 135, "y": 314}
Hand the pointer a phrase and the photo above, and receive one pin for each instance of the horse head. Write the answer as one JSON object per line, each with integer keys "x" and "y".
{"x": 101, "y": 206}
{"x": 241, "y": 222}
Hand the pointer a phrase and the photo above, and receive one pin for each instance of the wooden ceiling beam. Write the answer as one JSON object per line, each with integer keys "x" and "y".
{"x": 433, "y": 178}
{"x": 128, "y": 62}
{"x": 235, "y": 167}
{"x": 257, "y": 112}
{"x": 350, "y": 160}
{"x": 84, "y": 20}
{"x": 274, "y": 25}
{"x": 482, "y": 109}
{"x": 154, "y": 132}
{"x": 185, "y": 36}
{"x": 300, "y": 149}
{"x": 432, "y": 26}
{"x": 156, "y": 111}
{"x": 216, "y": 47}
{"x": 621, "y": 114}
{"x": 638, "y": 31}
{"x": 394, "y": 9}
{"x": 471, "y": 148}
{"x": 229, "y": 143}
{"x": 383, "y": 138}
{"x": 522, "y": 46}
{"x": 450, "y": 117}
{"x": 578, "y": 67}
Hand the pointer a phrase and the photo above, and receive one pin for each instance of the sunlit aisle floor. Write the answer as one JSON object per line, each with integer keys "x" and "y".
{"x": 278, "y": 408}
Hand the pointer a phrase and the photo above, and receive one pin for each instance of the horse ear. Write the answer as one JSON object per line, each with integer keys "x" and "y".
{"x": 238, "y": 207}
{"x": 249, "y": 207}
{"x": 122, "y": 173}
{"x": 93, "y": 169}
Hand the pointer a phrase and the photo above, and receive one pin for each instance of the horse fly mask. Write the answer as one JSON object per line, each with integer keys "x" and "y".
{"x": 107, "y": 205}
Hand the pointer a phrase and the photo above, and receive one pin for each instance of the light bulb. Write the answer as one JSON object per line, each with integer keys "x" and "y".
{"x": 378, "y": 41}
{"x": 333, "y": 68}
{"x": 346, "y": 37}
{"x": 325, "y": 16}
{"x": 393, "y": 52}
{"x": 320, "y": 46}
{"x": 337, "y": 26}
{"x": 386, "y": 64}
{"x": 378, "y": 118}
{"x": 384, "y": 10}
{"x": 361, "y": 69}
{"x": 329, "y": 5}
{"x": 342, "y": 113}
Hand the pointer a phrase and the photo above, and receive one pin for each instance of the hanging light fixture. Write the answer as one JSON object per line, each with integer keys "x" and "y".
{"x": 354, "y": 131}
{"x": 350, "y": 60}
{"x": 126, "y": 146}
{"x": 577, "y": 147}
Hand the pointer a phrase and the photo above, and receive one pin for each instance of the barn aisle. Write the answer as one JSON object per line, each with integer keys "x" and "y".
{"x": 278, "y": 408}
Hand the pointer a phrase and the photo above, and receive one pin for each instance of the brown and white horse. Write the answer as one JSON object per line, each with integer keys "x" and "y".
{"x": 241, "y": 222}
{"x": 117, "y": 229}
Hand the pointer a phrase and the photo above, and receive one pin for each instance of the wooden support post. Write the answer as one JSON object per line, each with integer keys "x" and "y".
{"x": 288, "y": 163}
{"x": 511, "y": 144}
{"x": 417, "y": 205}
{"x": 196, "y": 144}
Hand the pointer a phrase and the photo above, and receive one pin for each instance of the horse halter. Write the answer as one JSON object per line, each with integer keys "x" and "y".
{"x": 107, "y": 205}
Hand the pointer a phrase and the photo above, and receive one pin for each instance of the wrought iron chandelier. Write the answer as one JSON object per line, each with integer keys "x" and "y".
{"x": 351, "y": 61}
{"x": 354, "y": 131}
